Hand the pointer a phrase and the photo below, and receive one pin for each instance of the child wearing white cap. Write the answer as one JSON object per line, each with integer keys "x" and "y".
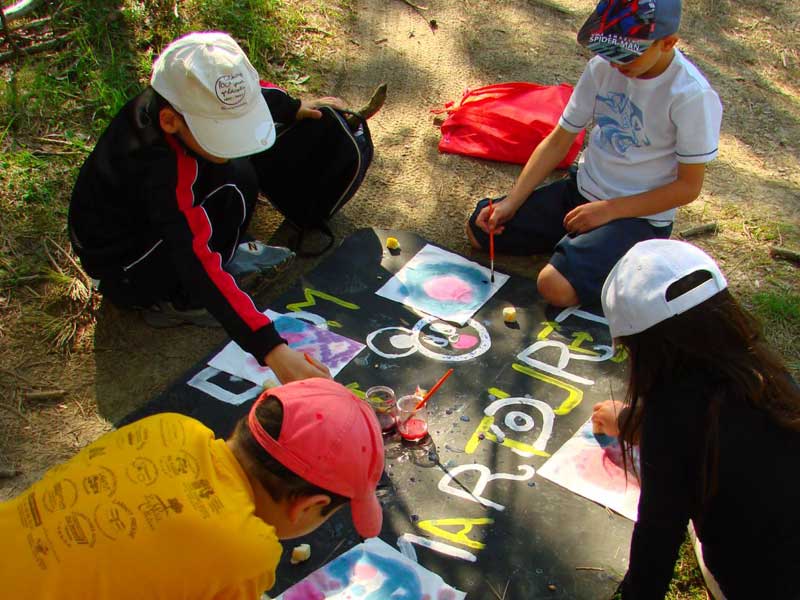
{"x": 716, "y": 416}
{"x": 162, "y": 509}
{"x": 161, "y": 206}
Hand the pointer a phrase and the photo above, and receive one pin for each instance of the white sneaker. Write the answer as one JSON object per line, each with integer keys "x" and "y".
{"x": 164, "y": 314}
{"x": 255, "y": 263}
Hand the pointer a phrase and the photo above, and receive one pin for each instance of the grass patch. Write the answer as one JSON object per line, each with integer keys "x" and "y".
{"x": 687, "y": 580}
{"x": 778, "y": 308}
{"x": 779, "y": 312}
{"x": 53, "y": 106}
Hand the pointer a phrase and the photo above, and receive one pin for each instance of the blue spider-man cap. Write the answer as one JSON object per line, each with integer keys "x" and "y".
{"x": 621, "y": 30}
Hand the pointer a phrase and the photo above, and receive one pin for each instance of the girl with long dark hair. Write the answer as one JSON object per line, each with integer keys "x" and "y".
{"x": 716, "y": 416}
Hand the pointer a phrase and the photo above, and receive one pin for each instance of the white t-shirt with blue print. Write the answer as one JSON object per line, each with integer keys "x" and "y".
{"x": 642, "y": 128}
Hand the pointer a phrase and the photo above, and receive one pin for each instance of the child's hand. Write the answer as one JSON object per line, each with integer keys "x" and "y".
{"x": 290, "y": 365}
{"x": 309, "y": 109}
{"x": 588, "y": 216}
{"x": 501, "y": 214}
{"x": 605, "y": 418}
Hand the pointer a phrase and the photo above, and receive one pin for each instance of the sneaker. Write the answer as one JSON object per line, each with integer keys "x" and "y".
{"x": 165, "y": 314}
{"x": 254, "y": 263}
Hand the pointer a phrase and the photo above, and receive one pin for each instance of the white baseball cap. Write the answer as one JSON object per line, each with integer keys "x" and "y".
{"x": 634, "y": 295}
{"x": 209, "y": 80}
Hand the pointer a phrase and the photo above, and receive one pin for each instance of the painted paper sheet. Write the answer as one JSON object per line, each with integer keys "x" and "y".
{"x": 372, "y": 571}
{"x": 443, "y": 284}
{"x": 329, "y": 348}
{"x": 591, "y": 465}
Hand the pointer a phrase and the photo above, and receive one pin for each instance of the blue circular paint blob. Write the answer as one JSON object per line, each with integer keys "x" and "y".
{"x": 414, "y": 286}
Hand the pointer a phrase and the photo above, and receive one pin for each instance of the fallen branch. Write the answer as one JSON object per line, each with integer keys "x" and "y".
{"x": 41, "y": 152}
{"x": 81, "y": 273}
{"x": 419, "y": 10}
{"x": 785, "y": 254}
{"x": 416, "y": 7}
{"x": 553, "y": 6}
{"x": 43, "y": 47}
{"x": 35, "y": 24}
{"x": 314, "y": 29}
{"x": 20, "y": 9}
{"x": 52, "y": 260}
{"x": 45, "y": 395}
{"x": 4, "y": 19}
{"x": 699, "y": 230}
{"x": 53, "y": 141}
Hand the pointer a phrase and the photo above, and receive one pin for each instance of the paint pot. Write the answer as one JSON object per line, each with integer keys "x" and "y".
{"x": 412, "y": 425}
{"x": 383, "y": 402}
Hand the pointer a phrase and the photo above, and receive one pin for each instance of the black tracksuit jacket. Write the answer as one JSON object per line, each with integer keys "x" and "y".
{"x": 139, "y": 189}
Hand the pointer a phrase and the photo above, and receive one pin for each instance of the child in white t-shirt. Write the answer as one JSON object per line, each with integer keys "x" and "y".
{"x": 656, "y": 125}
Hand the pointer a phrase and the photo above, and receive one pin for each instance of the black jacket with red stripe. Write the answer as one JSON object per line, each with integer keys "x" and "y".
{"x": 136, "y": 190}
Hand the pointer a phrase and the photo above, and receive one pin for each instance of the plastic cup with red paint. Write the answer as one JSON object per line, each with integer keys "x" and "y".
{"x": 412, "y": 424}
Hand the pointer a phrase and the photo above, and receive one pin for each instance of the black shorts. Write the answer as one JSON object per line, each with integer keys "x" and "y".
{"x": 584, "y": 259}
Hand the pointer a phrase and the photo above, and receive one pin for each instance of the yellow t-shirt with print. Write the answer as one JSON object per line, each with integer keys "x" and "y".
{"x": 158, "y": 509}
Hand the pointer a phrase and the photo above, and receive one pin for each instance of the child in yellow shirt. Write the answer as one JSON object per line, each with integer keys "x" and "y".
{"x": 162, "y": 509}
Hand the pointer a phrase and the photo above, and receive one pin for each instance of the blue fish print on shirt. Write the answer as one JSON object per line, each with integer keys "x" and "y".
{"x": 624, "y": 127}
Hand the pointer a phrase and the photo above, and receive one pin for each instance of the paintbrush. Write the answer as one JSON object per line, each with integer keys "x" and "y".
{"x": 431, "y": 391}
{"x": 491, "y": 238}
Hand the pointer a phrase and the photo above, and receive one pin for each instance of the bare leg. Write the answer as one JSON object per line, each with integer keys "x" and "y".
{"x": 473, "y": 242}
{"x": 555, "y": 288}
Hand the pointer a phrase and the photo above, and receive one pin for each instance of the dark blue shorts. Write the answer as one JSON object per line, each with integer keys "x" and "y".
{"x": 584, "y": 259}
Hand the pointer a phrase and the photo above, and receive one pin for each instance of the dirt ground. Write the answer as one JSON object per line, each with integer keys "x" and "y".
{"x": 747, "y": 49}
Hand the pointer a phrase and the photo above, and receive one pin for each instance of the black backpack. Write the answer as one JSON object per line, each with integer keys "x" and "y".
{"x": 313, "y": 169}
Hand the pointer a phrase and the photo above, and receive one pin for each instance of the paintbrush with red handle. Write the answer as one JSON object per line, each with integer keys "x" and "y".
{"x": 431, "y": 391}
{"x": 491, "y": 238}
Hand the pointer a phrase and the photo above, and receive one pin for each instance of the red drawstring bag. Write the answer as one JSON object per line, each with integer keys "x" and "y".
{"x": 506, "y": 121}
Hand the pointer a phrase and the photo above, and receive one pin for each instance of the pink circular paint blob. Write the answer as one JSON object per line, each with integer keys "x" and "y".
{"x": 364, "y": 572}
{"x": 448, "y": 288}
{"x": 465, "y": 341}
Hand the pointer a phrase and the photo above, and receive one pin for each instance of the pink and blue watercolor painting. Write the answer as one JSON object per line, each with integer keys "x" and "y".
{"x": 372, "y": 571}
{"x": 443, "y": 284}
{"x": 329, "y": 348}
{"x": 591, "y": 465}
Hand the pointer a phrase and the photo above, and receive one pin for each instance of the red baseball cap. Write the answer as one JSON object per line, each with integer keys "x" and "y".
{"x": 332, "y": 439}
